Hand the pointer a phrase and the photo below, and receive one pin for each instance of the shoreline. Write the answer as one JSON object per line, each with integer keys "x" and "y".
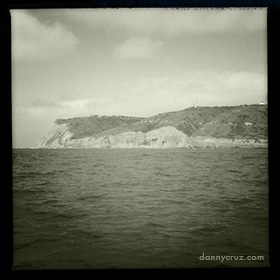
{"x": 138, "y": 148}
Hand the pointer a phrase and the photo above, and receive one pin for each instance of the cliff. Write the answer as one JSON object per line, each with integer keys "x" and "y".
{"x": 201, "y": 127}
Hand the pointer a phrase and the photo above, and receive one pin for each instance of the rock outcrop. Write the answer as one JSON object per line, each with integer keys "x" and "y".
{"x": 202, "y": 127}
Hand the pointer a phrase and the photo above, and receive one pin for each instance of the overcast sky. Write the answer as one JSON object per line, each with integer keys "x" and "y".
{"x": 138, "y": 62}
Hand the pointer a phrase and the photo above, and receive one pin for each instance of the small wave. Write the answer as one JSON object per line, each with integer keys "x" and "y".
{"x": 28, "y": 174}
{"x": 98, "y": 165}
{"x": 69, "y": 215}
{"x": 240, "y": 201}
{"x": 49, "y": 200}
{"x": 247, "y": 157}
{"x": 154, "y": 224}
{"x": 22, "y": 245}
{"x": 23, "y": 265}
{"x": 94, "y": 235}
{"x": 45, "y": 239}
{"x": 47, "y": 172}
{"x": 43, "y": 183}
{"x": 90, "y": 197}
{"x": 233, "y": 171}
{"x": 27, "y": 190}
{"x": 161, "y": 174}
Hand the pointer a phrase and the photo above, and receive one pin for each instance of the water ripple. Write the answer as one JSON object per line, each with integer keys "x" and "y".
{"x": 138, "y": 208}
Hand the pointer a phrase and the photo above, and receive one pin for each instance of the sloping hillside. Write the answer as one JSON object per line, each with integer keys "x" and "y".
{"x": 245, "y": 122}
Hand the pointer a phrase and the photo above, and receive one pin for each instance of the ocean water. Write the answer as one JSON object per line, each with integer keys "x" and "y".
{"x": 139, "y": 208}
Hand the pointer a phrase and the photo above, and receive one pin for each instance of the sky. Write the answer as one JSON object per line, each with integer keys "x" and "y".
{"x": 133, "y": 62}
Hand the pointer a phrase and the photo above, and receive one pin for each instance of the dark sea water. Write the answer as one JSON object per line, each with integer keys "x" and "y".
{"x": 139, "y": 208}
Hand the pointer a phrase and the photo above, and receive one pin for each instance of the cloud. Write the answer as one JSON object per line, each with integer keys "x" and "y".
{"x": 217, "y": 21}
{"x": 137, "y": 48}
{"x": 44, "y": 103}
{"x": 150, "y": 96}
{"x": 172, "y": 22}
{"x": 31, "y": 40}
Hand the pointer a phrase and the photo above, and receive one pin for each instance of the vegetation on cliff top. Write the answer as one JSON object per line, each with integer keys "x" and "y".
{"x": 233, "y": 122}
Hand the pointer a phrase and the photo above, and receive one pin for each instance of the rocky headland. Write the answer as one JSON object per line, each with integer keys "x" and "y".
{"x": 200, "y": 127}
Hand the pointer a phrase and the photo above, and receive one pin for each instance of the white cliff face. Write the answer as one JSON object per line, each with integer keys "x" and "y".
{"x": 58, "y": 136}
{"x": 164, "y": 137}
